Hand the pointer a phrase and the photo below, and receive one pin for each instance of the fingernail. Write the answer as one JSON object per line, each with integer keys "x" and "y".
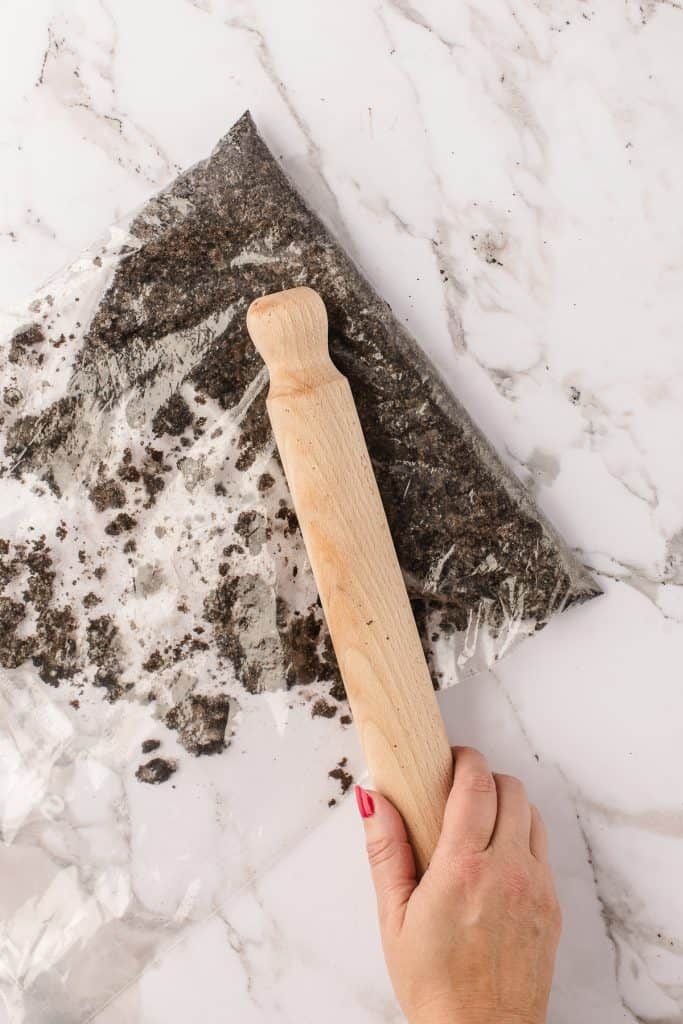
{"x": 366, "y": 805}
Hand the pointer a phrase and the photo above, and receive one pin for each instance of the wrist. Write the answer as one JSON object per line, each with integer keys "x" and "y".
{"x": 456, "y": 1015}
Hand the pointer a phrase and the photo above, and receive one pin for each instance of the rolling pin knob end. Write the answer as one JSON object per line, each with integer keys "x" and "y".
{"x": 289, "y": 329}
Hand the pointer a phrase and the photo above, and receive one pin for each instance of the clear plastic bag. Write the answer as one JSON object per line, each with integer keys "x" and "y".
{"x": 167, "y": 673}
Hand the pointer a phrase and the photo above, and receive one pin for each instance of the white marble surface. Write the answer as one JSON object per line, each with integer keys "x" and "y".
{"x": 508, "y": 176}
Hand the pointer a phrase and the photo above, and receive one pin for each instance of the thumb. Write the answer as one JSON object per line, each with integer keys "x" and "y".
{"x": 392, "y": 863}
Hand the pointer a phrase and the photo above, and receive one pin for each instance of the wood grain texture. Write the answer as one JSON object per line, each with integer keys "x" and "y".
{"x": 352, "y": 554}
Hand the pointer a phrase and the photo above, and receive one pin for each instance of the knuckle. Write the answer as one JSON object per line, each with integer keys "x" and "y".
{"x": 479, "y": 782}
{"x": 467, "y": 752}
{"x": 517, "y": 883}
{"x": 512, "y": 784}
{"x": 549, "y": 905}
{"x": 468, "y": 867}
{"x": 468, "y": 759}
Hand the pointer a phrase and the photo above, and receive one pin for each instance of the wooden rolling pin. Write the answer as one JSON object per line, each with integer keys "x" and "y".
{"x": 354, "y": 562}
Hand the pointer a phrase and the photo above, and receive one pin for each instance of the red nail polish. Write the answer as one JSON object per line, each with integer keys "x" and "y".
{"x": 366, "y": 805}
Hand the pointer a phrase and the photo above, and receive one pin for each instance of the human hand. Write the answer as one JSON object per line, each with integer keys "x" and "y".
{"x": 474, "y": 941}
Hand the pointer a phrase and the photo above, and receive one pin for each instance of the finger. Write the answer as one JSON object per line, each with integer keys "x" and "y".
{"x": 390, "y": 855}
{"x": 470, "y": 814}
{"x": 538, "y": 837}
{"x": 513, "y": 823}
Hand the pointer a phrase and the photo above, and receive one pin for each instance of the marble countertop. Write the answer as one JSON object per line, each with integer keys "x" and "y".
{"x": 507, "y": 174}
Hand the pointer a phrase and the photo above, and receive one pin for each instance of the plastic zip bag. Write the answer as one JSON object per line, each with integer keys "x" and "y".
{"x": 157, "y": 605}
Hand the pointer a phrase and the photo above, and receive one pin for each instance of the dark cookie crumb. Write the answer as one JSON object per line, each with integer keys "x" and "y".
{"x": 344, "y": 778}
{"x": 147, "y": 746}
{"x": 32, "y": 440}
{"x": 330, "y": 670}
{"x": 127, "y": 471}
{"x": 23, "y": 341}
{"x": 187, "y": 646}
{"x": 234, "y": 609}
{"x": 56, "y": 656}
{"x": 323, "y": 709}
{"x": 153, "y": 482}
{"x": 252, "y": 527}
{"x": 201, "y": 721}
{"x": 13, "y": 650}
{"x": 289, "y": 516}
{"x": 105, "y": 652}
{"x": 49, "y": 478}
{"x": 154, "y": 662}
{"x": 300, "y": 641}
{"x": 123, "y": 523}
{"x": 255, "y": 433}
{"x": 52, "y": 646}
{"x": 107, "y": 494}
{"x": 174, "y": 417}
{"x": 11, "y": 396}
{"x": 158, "y": 770}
